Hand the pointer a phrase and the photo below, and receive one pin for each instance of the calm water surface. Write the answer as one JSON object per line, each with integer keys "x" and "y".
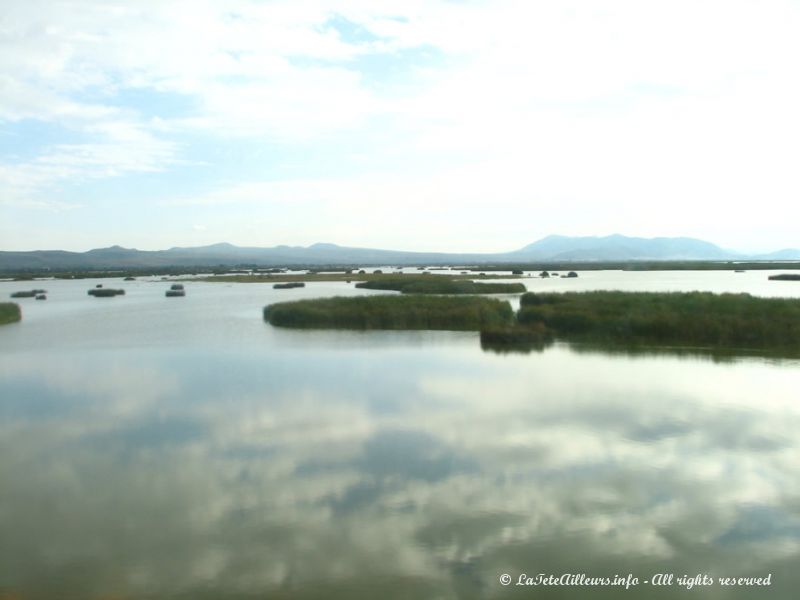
{"x": 182, "y": 448}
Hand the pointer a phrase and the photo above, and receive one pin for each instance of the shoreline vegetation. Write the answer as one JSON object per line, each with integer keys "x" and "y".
{"x": 9, "y": 313}
{"x": 701, "y": 320}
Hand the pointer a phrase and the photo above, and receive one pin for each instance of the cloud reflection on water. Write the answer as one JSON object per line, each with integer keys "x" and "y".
{"x": 431, "y": 471}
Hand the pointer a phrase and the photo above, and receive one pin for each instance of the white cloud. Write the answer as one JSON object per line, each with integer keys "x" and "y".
{"x": 505, "y": 55}
{"x": 621, "y": 112}
{"x": 120, "y": 148}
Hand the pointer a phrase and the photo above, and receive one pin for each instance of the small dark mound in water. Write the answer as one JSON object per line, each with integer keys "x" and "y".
{"x": 176, "y": 286}
{"x": 785, "y": 277}
{"x": 41, "y": 297}
{"x": 105, "y": 293}
{"x": 175, "y": 293}
{"x": 289, "y": 285}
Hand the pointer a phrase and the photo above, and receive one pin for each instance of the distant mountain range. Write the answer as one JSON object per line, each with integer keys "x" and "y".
{"x": 553, "y": 248}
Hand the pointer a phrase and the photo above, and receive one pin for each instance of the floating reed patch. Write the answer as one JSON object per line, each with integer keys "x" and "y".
{"x": 392, "y": 312}
{"x": 720, "y": 322}
{"x": 677, "y": 318}
{"x": 9, "y": 313}
{"x": 105, "y": 292}
{"x": 289, "y": 285}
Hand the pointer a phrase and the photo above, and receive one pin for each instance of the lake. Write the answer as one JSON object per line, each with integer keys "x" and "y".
{"x": 156, "y": 447}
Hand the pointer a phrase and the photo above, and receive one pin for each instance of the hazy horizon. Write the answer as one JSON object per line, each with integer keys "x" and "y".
{"x": 429, "y": 125}
{"x": 404, "y": 249}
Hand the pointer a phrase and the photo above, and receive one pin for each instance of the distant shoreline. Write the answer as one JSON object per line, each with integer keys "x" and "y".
{"x": 276, "y": 273}
{"x": 553, "y": 252}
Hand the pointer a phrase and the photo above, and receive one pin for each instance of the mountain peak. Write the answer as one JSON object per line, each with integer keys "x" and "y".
{"x": 115, "y": 249}
{"x": 614, "y": 248}
{"x": 621, "y": 247}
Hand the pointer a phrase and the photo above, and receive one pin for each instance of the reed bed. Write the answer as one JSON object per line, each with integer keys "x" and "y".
{"x": 468, "y": 313}
{"x": 9, "y": 313}
{"x": 678, "y": 318}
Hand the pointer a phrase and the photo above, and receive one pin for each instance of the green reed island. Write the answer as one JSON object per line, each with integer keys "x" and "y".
{"x": 785, "y": 277}
{"x": 466, "y": 313}
{"x": 699, "y": 319}
{"x": 678, "y": 319}
{"x": 9, "y": 313}
{"x": 100, "y": 292}
{"x": 28, "y": 293}
{"x": 289, "y": 285}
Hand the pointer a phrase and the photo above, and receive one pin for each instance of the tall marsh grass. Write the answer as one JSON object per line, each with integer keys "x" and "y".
{"x": 392, "y": 312}
{"x": 677, "y": 318}
{"x": 9, "y": 313}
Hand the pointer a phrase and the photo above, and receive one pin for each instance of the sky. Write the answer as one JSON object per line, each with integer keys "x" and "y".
{"x": 432, "y": 125}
